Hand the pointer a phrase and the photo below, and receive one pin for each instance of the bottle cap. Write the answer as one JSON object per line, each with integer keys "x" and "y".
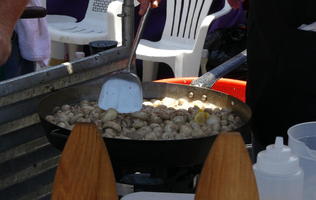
{"x": 277, "y": 159}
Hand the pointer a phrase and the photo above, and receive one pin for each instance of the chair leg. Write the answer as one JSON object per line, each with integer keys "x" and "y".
{"x": 187, "y": 67}
{"x": 204, "y": 60}
{"x": 72, "y": 49}
{"x": 150, "y": 70}
{"x": 58, "y": 53}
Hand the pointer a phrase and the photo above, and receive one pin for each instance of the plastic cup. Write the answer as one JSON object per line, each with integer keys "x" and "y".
{"x": 302, "y": 141}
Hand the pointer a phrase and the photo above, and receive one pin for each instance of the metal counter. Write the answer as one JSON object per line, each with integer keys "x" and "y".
{"x": 27, "y": 161}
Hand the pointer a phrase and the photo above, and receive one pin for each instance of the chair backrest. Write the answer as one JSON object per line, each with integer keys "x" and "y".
{"x": 184, "y": 18}
{"x": 97, "y": 9}
{"x": 43, "y": 3}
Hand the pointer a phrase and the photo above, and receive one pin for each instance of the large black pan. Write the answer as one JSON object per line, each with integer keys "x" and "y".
{"x": 147, "y": 153}
{"x": 123, "y": 152}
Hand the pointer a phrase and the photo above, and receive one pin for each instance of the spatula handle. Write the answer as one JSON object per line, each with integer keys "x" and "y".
{"x": 137, "y": 37}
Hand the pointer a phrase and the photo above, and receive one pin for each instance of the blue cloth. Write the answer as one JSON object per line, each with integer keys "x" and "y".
{"x": 16, "y": 65}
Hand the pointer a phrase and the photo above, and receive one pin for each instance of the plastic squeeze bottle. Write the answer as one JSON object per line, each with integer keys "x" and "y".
{"x": 278, "y": 174}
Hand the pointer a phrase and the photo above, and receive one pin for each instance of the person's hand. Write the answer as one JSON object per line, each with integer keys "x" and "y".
{"x": 235, "y": 3}
{"x": 144, "y": 5}
{"x": 5, "y": 47}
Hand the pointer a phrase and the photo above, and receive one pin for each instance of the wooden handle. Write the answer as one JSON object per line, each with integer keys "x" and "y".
{"x": 84, "y": 170}
{"x": 34, "y": 12}
{"x": 227, "y": 172}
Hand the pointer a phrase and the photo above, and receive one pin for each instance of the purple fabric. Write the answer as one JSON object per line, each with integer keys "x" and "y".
{"x": 155, "y": 23}
{"x": 233, "y": 18}
{"x": 74, "y": 8}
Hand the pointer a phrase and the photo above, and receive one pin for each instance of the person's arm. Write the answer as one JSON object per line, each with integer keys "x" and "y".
{"x": 144, "y": 4}
{"x": 10, "y": 11}
{"x": 236, "y": 3}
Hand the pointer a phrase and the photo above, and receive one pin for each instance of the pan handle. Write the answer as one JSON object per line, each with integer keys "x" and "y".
{"x": 208, "y": 79}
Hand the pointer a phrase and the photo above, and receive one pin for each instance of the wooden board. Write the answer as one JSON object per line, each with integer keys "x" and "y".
{"x": 227, "y": 173}
{"x": 84, "y": 170}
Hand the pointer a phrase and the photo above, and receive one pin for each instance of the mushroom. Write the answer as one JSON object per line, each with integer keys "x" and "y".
{"x": 168, "y": 118}
{"x": 109, "y": 115}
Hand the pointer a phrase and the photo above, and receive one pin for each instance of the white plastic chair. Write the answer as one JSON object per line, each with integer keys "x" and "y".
{"x": 58, "y": 49}
{"x": 96, "y": 25}
{"x": 182, "y": 40}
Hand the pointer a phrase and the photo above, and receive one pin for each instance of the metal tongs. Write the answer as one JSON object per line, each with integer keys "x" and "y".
{"x": 123, "y": 90}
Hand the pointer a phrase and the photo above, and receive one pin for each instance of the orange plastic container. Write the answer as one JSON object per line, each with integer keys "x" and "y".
{"x": 233, "y": 87}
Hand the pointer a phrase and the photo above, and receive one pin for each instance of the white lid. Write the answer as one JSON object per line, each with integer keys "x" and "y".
{"x": 277, "y": 159}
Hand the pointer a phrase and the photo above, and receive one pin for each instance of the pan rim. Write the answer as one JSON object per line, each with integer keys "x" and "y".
{"x": 42, "y": 116}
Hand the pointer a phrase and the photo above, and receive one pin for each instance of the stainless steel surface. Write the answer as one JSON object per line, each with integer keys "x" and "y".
{"x": 208, "y": 79}
{"x": 95, "y": 62}
{"x": 123, "y": 92}
{"x": 27, "y": 160}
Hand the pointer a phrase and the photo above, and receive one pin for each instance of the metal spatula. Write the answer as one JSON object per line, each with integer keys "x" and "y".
{"x": 123, "y": 90}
